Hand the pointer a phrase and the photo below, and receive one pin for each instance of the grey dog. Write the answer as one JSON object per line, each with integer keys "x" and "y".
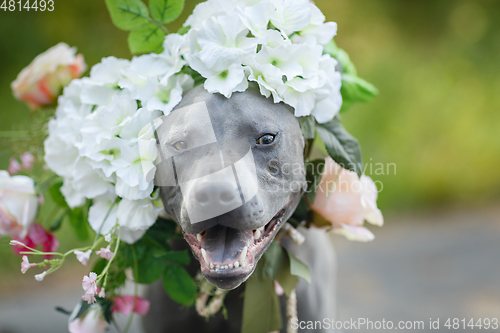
{"x": 230, "y": 211}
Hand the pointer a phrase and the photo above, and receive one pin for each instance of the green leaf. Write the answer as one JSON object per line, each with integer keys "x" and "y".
{"x": 318, "y": 220}
{"x": 128, "y": 14}
{"x": 99, "y": 266}
{"x": 183, "y": 30}
{"x": 314, "y": 172}
{"x": 166, "y": 11}
{"x": 282, "y": 272}
{"x": 56, "y": 195}
{"x": 77, "y": 220}
{"x": 300, "y": 214}
{"x": 83, "y": 308}
{"x": 355, "y": 89}
{"x": 179, "y": 285}
{"x": 180, "y": 257}
{"x": 261, "y": 308}
{"x": 116, "y": 278}
{"x": 341, "y": 56}
{"x": 341, "y": 146}
{"x": 298, "y": 268}
{"x": 147, "y": 38}
{"x": 307, "y": 126}
{"x": 162, "y": 231}
{"x": 106, "y": 307}
{"x": 56, "y": 224}
{"x": 150, "y": 267}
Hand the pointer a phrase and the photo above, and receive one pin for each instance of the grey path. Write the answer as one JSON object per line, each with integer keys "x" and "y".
{"x": 420, "y": 266}
{"x": 441, "y": 265}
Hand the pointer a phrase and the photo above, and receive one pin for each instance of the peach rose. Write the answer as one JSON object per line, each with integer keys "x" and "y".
{"x": 18, "y": 204}
{"x": 346, "y": 201}
{"x": 42, "y": 81}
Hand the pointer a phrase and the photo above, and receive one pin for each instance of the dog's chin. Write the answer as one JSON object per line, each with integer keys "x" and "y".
{"x": 229, "y": 256}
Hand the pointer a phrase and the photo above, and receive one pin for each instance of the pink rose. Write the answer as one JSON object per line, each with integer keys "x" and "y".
{"x": 125, "y": 304}
{"x": 92, "y": 321}
{"x": 42, "y": 81}
{"x": 18, "y": 204}
{"x": 346, "y": 201}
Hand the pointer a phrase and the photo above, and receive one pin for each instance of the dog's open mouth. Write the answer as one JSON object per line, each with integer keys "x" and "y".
{"x": 227, "y": 256}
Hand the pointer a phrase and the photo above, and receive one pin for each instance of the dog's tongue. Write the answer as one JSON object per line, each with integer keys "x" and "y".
{"x": 224, "y": 244}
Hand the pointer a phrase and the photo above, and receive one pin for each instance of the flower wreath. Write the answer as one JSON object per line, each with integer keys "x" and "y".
{"x": 284, "y": 47}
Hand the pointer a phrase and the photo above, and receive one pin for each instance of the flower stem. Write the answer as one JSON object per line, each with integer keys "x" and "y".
{"x": 106, "y": 269}
{"x": 136, "y": 288}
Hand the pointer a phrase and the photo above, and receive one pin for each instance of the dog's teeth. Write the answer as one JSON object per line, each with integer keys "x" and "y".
{"x": 211, "y": 265}
{"x": 256, "y": 234}
{"x": 243, "y": 255}
{"x": 230, "y": 266}
{"x": 198, "y": 237}
{"x": 236, "y": 264}
{"x": 204, "y": 254}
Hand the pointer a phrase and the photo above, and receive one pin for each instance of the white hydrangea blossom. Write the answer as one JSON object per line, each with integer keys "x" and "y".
{"x": 97, "y": 142}
{"x": 276, "y": 43}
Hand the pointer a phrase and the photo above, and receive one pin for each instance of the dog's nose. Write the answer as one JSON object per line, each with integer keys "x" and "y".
{"x": 216, "y": 194}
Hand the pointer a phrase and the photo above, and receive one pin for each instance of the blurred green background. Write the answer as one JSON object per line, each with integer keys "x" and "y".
{"x": 436, "y": 63}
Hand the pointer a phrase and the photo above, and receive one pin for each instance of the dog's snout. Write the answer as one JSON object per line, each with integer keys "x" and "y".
{"x": 215, "y": 193}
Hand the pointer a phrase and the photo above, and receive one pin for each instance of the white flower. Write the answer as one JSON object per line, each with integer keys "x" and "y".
{"x": 284, "y": 57}
{"x": 165, "y": 96}
{"x": 317, "y": 28}
{"x": 135, "y": 218}
{"x": 328, "y": 97}
{"x": 173, "y": 48}
{"x": 83, "y": 257}
{"x": 102, "y": 216}
{"x": 90, "y": 321}
{"x": 291, "y": 15}
{"x": 18, "y": 204}
{"x": 208, "y": 9}
{"x": 256, "y": 18}
{"x": 40, "y": 277}
{"x": 140, "y": 69}
{"x": 102, "y": 85}
{"x": 223, "y": 52}
{"x": 109, "y": 71}
{"x": 134, "y": 178}
{"x": 218, "y": 50}
{"x": 228, "y": 81}
{"x": 90, "y": 287}
{"x": 268, "y": 78}
{"x": 84, "y": 183}
{"x": 105, "y": 253}
{"x": 25, "y": 265}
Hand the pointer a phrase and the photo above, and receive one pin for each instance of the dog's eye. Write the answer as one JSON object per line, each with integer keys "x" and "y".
{"x": 266, "y": 139}
{"x": 180, "y": 145}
